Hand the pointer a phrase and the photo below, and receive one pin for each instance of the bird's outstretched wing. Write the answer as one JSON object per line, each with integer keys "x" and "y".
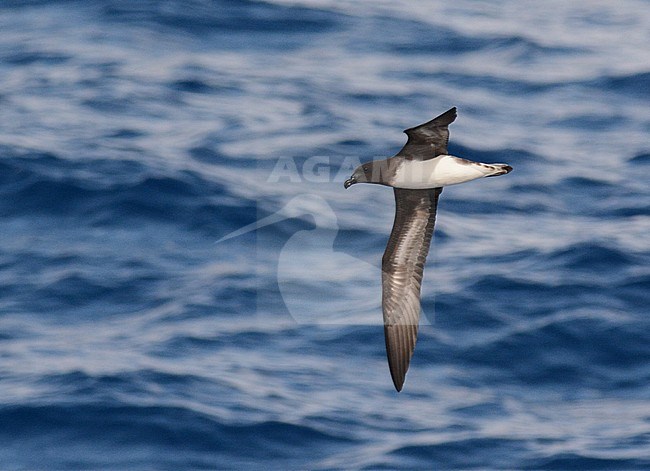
{"x": 402, "y": 267}
{"x": 430, "y": 139}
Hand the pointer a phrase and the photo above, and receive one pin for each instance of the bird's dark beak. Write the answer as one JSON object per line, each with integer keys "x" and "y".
{"x": 349, "y": 182}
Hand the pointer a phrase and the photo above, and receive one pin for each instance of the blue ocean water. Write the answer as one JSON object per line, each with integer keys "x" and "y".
{"x": 134, "y": 136}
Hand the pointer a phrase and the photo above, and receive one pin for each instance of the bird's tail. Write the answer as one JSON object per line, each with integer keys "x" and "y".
{"x": 498, "y": 169}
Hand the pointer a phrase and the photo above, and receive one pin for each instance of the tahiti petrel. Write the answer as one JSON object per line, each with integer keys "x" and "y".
{"x": 417, "y": 174}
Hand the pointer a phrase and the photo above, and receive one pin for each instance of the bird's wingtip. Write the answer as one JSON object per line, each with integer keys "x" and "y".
{"x": 398, "y": 380}
{"x": 443, "y": 119}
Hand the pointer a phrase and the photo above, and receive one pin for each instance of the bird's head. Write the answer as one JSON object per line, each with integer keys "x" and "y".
{"x": 362, "y": 174}
{"x": 375, "y": 171}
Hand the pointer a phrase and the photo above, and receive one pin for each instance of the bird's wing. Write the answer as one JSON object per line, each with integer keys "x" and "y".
{"x": 430, "y": 139}
{"x": 402, "y": 267}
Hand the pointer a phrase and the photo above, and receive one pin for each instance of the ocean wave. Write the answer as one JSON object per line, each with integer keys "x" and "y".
{"x": 109, "y": 191}
{"x": 154, "y": 430}
{"x": 634, "y": 84}
{"x": 592, "y": 257}
{"x": 463, "y": 453}
{"x": 580, "y": 461}
{"x": 640, "y": 159}
{"x": 198, "y": 17}
{"x": 24, "y": 58}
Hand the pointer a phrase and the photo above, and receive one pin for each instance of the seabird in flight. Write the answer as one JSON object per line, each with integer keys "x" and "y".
{"x": 417, "y": 173}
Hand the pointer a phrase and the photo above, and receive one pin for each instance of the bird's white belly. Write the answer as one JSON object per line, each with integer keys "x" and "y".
{"x": 443, "y": 170}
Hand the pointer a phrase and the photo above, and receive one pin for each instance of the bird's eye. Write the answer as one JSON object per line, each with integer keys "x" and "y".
{"x": 365, "y": 169}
